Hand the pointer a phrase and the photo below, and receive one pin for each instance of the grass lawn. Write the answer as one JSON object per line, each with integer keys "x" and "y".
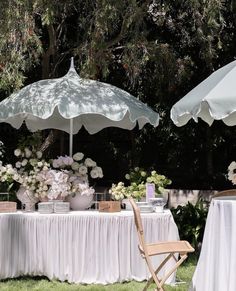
{"x": 184, "y": 274}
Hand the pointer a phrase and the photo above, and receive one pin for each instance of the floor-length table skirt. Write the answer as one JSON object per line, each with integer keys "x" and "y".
{"x": 216, "y": 266}
{"x": 81, "y": 247}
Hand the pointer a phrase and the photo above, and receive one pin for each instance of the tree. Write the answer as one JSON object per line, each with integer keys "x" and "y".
{"x": 156, "y": 49}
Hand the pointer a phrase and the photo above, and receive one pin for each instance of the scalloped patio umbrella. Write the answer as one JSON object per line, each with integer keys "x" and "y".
{"x": 70, "y": 102}
{"x": 213, "y": 99}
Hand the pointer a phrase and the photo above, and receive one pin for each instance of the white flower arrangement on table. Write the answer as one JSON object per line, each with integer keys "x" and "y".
{"x": 80, "y": 171}
{"x": 7, "y": 174}
{"x": 28, "y": 166}
{"x": 232, "y": 172}
{"x": 52, "y": 184}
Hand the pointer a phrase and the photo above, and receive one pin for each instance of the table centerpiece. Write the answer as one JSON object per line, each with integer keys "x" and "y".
{"x": 137, "y": 179}
{"x": 81, "y": 171}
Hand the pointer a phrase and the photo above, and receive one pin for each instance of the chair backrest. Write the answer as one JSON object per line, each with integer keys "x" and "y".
{"x": 138, "y": 222}
{"x": 231, "y": 192}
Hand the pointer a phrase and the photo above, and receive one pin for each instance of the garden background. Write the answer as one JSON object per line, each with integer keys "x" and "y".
{"x": 156, "y": 50}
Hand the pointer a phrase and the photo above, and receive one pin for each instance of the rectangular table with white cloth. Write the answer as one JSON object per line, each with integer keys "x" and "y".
{"x": 216, "y": 266}
{"x": 81, "y": 246}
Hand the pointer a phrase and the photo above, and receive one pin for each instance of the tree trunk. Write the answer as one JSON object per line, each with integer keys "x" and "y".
{"x": 46, "y": 74}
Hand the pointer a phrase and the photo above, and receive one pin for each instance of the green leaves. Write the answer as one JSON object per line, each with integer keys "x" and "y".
{"x": 190, "y": 220}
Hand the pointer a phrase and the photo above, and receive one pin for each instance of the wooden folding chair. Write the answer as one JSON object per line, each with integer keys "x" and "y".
{"x": 231, "y": 192}
{"x": 170, "y": 248}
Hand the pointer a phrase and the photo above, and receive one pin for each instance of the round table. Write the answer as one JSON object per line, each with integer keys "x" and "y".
{"x": 216, "y": 266}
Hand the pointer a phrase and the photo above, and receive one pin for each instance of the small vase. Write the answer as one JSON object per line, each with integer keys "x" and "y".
{"x": 80, "y": 202}
{"x": 27, "y": 199}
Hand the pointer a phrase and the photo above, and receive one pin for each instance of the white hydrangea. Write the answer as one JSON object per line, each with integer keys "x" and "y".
{"x": 17, "y": 152}
{"x": 90, "y": 163}
{"x": 83, "y": 170}
{"x": 78, "y": 156}
{"x": 39, "y": 154}
{"x": 75, "y": 166}
{"x": 94, "y": 173}
{"x": 28, "y": 153}
{"x": 24, "y": 162}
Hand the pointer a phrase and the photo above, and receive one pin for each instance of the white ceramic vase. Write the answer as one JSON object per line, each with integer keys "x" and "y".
{"x": 27, "y": 199}
{"x": 80, "y": 202}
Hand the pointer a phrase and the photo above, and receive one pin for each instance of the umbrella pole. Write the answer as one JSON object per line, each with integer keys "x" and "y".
{"x": 71, "y": 137}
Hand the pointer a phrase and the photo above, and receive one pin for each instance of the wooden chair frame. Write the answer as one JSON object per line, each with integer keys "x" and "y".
{"x": 173, "y": 249}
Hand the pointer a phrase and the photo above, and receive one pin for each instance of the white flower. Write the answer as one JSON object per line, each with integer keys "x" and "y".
{"x": 17, "y": 152}
{"x": 75, "y": 166}
{"x": 33, "y": 162}
{"x": 10, "y": 171}
{"x": 40, "y": 164}
{"x": 232, "y": 172}
{"x": 94, "y": 174}
{"x": 18, "y": 165}
{"x": 39, "y": 154}
{"x": 78, "y": 156}
{"x": 24, "y": 163}
{"x": 83, "y": 170}
{"x": 100, "y": 172}
{"x": 90, "y": 163}
{"x": 127, "y": 176}
{"x": 232, "y": 166}
{"x": 55, "y": 164}
{"x": 68, "y": 161}
{"x": 143, "y": 173}
{"x": 28, "y": 153}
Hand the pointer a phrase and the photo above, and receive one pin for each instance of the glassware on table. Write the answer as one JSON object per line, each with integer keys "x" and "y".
{"x": 158, "y": 204}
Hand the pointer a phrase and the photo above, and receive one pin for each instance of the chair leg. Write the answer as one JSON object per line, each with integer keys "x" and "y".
{"x": 155, "y": 278}
{"x": 157, "y": 270}
{"x": 178, "y": 263}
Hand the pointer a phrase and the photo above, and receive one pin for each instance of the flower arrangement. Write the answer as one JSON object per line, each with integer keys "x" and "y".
{"x": 52, "y": 184}
{"x": 79, "y": 170}
{"x": 61, "y": 177}
{"x": 138, "y": 178}
{"x": 29, "y": 164}
{"x": 7, "y": 174}
{"x": 232, "y": 172}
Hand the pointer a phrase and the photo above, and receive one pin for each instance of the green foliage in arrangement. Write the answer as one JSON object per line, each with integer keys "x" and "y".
{"x": 191, "y": 220}
{"x": 138, "y": 178}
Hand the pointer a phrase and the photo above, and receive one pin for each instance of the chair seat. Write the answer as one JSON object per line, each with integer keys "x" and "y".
{"x": 168, "y": 247}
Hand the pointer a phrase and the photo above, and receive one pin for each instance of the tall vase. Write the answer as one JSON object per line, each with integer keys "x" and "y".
{"x": 27, "y": 199}
{"x": 80, "y": 202}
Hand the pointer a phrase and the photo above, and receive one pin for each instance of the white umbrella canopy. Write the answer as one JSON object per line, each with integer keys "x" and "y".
{"x": 70, "y": 102}
{"x": 213, "y": 99}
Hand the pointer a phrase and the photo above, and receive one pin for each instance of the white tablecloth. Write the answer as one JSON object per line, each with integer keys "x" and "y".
{"x": 81, "y": 247}
{"x": 216, "y": 267}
